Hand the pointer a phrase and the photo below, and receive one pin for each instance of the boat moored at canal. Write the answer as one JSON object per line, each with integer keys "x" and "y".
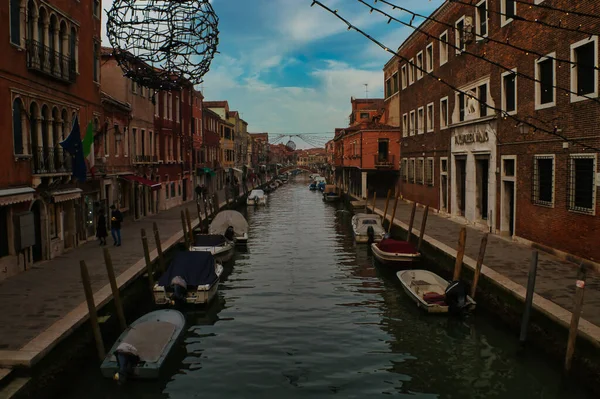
{"x": 218, "y": 245}
{"x": 192, "y": 278}
{"x": 256, "y": 197}
{"x": 230, "y": 224}
{"x": 331, "y": 193}
{"x": 365, "y": 225}
{"x": 395, "y": 252}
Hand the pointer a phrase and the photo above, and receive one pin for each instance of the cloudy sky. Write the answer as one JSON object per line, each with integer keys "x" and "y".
{"x": 290, "y": 68}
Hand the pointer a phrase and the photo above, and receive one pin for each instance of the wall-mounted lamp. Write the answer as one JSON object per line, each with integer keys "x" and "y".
{"x": 118, "y": 135}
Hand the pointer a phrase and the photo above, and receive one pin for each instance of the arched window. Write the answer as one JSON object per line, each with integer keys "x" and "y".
{"x": 15, "y": 22}
{"x": 73, "y": 51}
{"x": 18, "y": 141}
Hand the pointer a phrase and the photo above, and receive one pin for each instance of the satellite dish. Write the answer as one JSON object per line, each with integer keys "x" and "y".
{"x": 291, "y": 145}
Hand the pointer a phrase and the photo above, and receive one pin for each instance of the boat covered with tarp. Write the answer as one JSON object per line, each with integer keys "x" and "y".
{"x": 142, "y": 348}
{"x": 256, "y": 197}
{"x": 224, "y": 221}
{"x": 218, "y": 245}
{"x": 192, "y": 277}
{"x": 331, "y": 193}
{"x": 367, "y": 228}
{"x": 391, "y": 251}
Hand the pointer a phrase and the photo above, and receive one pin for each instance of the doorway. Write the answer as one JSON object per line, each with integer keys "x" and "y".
{"x": 444, "y": 188}
{"x": 383, "y": 148}
{"x": 482, "y": 165}
{"x": 508, "y": 207}
{"x": 461, "y": 184}
{"x": 37, "y": 223}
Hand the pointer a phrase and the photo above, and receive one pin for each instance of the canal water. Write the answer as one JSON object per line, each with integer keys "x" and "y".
{"x": 304, "y": 313}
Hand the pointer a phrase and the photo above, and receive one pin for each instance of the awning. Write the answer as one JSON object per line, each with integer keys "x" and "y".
{"x": 205, "y": 171}
{"x": 145, "y": 182}
{"x": 66, "y": 194}
{"x": 9, "y": 196}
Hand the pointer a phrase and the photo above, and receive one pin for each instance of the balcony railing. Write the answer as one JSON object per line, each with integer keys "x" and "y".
{"x": 43, "y": 59}
{"x": 384, "y": 160}
{"x": 145, "y": 159}
{"x": 48, "y": 160}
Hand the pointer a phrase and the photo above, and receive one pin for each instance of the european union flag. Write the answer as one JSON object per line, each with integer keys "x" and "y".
{"x": 73, "y": 146}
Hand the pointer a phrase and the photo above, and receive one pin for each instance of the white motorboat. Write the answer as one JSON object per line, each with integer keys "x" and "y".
{"x": 230, "y": 224}
{"x": 394, "y": 252}
{"x": 217, "y": 244}
{"x": 362, "y": 222}
{"x": 192, "y": 277}
{"x": 256, "y": 197}
{"x": 434, "y": 293}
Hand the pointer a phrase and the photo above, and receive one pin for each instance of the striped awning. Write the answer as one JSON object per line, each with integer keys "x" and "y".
{"x": 9, "y": 196}
{"x": 66, "y": 194}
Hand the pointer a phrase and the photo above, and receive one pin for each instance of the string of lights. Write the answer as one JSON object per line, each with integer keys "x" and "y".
{"x": 551, "y": 8}
{"x": 499, "y": 111}
{"x": 522, "y": 19}
{"x": 483, "y": 57}
{"x": 484, "y": 38}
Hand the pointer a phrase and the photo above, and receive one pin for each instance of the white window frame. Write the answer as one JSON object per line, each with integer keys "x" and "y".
{"x": 427, "y": 162}
{"x": 478, "y": 35}
{"x": 405, "y": 126}
{"x": 538, "y": 86}
{"x": 536, "y": 201}
{"x": 404, "y": 75}
{"x": 420, "y": 120}
{"x": 411, "y": 123}
{"x": 405, "y": 169}
{"x": 574, "y": 96}
{"x": 503, "y": 20}
{"x": 503, "y": 94}
{"x": 429, "y": 61}
{"x": 430, "y": 117}
{"x": 420, "y": 67}
{"x": 411, "y": 71}
{"x": 444, "y": 124}
{"x": 411, "y": 176}
{"x": 444, "y": 53}
{"x": 458, "y": 46}
{"x": 570, "y": 170}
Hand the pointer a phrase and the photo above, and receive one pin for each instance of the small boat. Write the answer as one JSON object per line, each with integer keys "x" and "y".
{"x": 218, "y": 245}
{"x": 143, "y": 347}
{"x": 389, "y": 251}
{"x": 434, "y": 293}
{"x": 279, "y": 183}
{"x": 321, "y": 186}
{"x": 192, "y": 277}
{"x": 256, "y": 197}
{"x": 225, "y": 221}
{"x": 330, "y": 193}
{"x": 312, "y": 186}
{"x": 367, "y": 228}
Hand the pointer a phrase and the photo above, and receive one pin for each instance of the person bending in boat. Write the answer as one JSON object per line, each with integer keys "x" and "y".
{"x": 179, "y": 291}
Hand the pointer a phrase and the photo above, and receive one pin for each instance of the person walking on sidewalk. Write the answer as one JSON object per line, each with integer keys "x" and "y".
{"x": 101, "y": 232}
{"x": 115, "y": 225}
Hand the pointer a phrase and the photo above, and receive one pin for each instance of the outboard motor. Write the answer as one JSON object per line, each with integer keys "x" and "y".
{"x": 370, "y": 235}
{"x": 179, "y": 295}
{"x": 456, "y": 297}
{"x": 127, "y": 358}
{"x": 230, "y": 233}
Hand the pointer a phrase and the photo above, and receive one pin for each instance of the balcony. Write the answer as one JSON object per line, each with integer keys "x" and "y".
{"x": 47, "y": 160}
{"x": 41, "y": 58}
{"x": 145, "y": 159}
{"x": 384, "y": 160}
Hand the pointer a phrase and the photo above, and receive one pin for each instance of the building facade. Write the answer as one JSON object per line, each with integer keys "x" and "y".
{"x": 489, "y": 143}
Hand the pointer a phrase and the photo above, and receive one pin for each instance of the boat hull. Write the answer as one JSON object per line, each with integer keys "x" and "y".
{"x": 331, "y": 198}
{"x": 393, "y": 258}
{"x": 364, "y": 239}
{"x": 242, "y": 240}
{"x": 221, "y": 253}
{"x": 148, "y": 368}
{"x": 252, "y": 202}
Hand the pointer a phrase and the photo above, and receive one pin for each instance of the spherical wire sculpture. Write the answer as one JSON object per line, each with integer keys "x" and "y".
{"x": 290, "y": 145}
{"x": 163, "y": 44}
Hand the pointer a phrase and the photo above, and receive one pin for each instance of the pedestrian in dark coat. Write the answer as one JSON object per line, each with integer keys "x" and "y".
{"x": 101, "y": 231}
{"x": 115, "y": 225}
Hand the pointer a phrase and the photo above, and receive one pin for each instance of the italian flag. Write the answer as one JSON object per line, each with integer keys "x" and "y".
{"x": 88, "y": 147}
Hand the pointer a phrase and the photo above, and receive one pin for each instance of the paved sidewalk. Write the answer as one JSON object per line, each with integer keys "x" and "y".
{"x": 555, "y": 279}
{"x": 33, "y": 300}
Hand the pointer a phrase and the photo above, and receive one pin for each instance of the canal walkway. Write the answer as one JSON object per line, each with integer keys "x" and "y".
{"x": 507, "y": 262}
{"x": 44, "y": 304}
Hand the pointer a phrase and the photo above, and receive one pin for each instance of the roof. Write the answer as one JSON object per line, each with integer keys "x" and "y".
{"x": 211, "y": 113}
{"x": 216, "y": 104}
{"x": 107, "y": 98}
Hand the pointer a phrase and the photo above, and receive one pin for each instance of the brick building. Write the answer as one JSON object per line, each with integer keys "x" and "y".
{"x": 211, "y": 147}
{"x": 52, "y": 76}
{"x": 476, "y": 162}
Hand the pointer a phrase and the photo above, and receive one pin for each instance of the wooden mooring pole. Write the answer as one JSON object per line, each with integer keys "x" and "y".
{"x": 374, "y": 199}
{"x": 462, "y": 239}
{"x": 148, "y": 261}
{"x": 367, "y": 202}
{"x": 161, "y": 256}
{"x": 423, "y": 224}
{"x": 115, "y": 289}
{"x": 185, "y": 233}
{"x": 189, "y": 225}
{"x": 529, "y": 296}
{"x": 89, "y": 298}
{"x": 387, "y": 202}
{"x": 482, "y": 248}
{"x": 393, "y": 212}
{"x": 412, "y": 220}
{"x": 574, "y": 328}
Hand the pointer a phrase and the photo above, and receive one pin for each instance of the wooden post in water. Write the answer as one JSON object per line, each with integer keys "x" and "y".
{"x": 189, "y": 226}
{"x": 199, "y": 212}
{"x": 412, "y": 220}
{"x": 89, "y": 298}
{"x": 573, "y": 329}
{"x": 423, "y": 224}
{"x": 482, "y": 247}
{"x": 148, "y": 261}
{"x": 216, "y": 205}
{"x": 387, "y": 202}
{"x": 367, "y": 202}
{"x": 161, "y": 256}
{"x": 462, "y": 239}
{"x": 393, "y": 212}
{"x": 529, "y": 296}
{"x": 115, "y": 289}
{"x": 374, "y": 199}
{"x": 185, "y": 233}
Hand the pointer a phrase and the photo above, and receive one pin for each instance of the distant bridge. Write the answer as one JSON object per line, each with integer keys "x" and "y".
{"x": 306, "y": 168}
